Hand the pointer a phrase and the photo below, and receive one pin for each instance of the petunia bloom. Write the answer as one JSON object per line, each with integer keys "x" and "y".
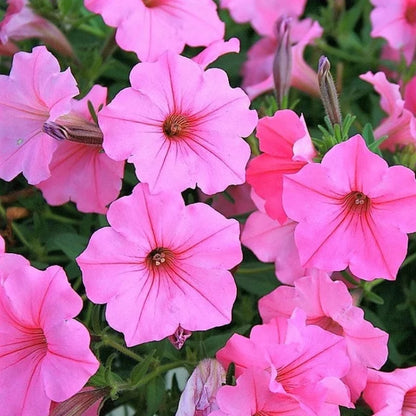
{"x": 252, "y": 396}
{"x": 35, "y": 92}
{"x": 263, "y": 14}
{"x": 329, "y": 305}
{"x": 44, "y": 353}
{"x": 81, "y": 172}
{"x": 395, "y": 21}
{"x": 258, "y": 69}
{"x": 21, "y": 22}
{"x": 303, "y": 361}
{"x": 353, "y": 211}
{"x": 152, "y": 27}
{"x": 400, "y": 123}
{"x": 392, "y": 394}
{"x": 159, "y": 262}
{"x": 187, "y": 130}
{"x": 287, "y": 147}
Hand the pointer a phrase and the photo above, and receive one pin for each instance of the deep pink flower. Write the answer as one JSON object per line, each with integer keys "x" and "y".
{"x": 353, "y": 211}
{"x": 35, "y": 92}
{"x": 395, "y": 21}
{"x": 152, "y": 27}
{"x": 252, "y": 396}
{"x": 392, "y": 394}
{"x": 258, "y": 69}
{"x": 400, "y": 123}
{"x": 304, "y": 361}
{"x": 188, "y": 130}
{"x": 199, "y": 395}
{"x": 159, "y": 262}
{"x": 20, "y": 22}
{"x": 287, "y": 147}
{"x": 82, "y": 172}
{"x": 329, "y": 305}
{"x": 44, "y": 353}
{"x": 263, "y": 14}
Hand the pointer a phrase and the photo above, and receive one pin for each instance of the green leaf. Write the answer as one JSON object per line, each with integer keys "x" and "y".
{"x": 141, "y": 368}
{"x": 155, "y": 395}
{"x": 71, "y": 244}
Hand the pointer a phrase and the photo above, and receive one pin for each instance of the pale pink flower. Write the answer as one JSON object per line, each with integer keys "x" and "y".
{"x": 329, "y": 305}
{"x": 44, "y": 353}
{"x": 199, "y": 395}
{"x": 252, "y": 396}
{"x": 353, "y": 211}
{"x": 272, "y": 242}
{"x": 263, "y": 14}
{"x": 82, "y": 172}
{"x": 392, "y": 394}
{"x": 152, "y": 27}
{"x": 400, "y": 123}
{"x": 258, "y": 69}
{"x": 303, "y": 361}
{"x": 395, "y": 21}
{"x": 35, "y": 92}
{"x": 287, "y": 147}
{"x": 216, "y": 49}
{"x": 189, "y": 128}
{"x": 20, "y": 22}
{"x": 159, "y": 262}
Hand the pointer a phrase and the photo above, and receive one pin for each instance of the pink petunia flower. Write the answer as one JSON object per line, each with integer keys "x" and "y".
{"x": 395, "y": 21}
{"x": 159, "y": 262}
{"x": 152, "y": 27}
{"x": 44, "y": 353}
{"x": 287, "y": 147}
{"x": 400, "y": 123}
{"x": 258, "y": 69}
{"x": 216, "y": 49}
{"x": 263, "y": 14}
{"x": 303, "y": 361}
{"x": 353, "y": 211}
{"x": 82, "y": 172}
{"x": 199, "y": 395}
{"x": 252, "y": 396}
{"x": 188, "y": 130}
{"x": 20, "y": 22}
{"x": 329, "y": 305}
{"x": 392, "y": 394}
{"x": 34, "y": 93}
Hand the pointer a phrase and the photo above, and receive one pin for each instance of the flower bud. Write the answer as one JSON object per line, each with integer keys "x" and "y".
{"x": 329, "y": 94}
{"x": 282, "y": 63}
{"x": 179, "y": 337}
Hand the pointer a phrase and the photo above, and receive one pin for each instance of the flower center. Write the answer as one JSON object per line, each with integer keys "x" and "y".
{"x": 151, "y": 3}
{"x": 158, "y": 257}
{"x": 176, "y": 126}
{"x": 409, "y": 403}
{"x": 357, "y": 202}
{"x": 410, "y": 13}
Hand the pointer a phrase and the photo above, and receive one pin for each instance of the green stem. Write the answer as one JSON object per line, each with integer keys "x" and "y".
{"x": 111, "y": 342}
{"x": 58, "y": 218}
{"x": 346, "y": 56}
{"x": 408, "y": 260}
{"x": 267, "y": 268}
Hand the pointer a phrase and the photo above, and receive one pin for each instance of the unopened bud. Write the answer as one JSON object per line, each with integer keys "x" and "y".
{"x": 88, "y": 398}
{"x": 328, "y": 91}
{"x": 74, "y": 129}
{"x": 282, "y": 63}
